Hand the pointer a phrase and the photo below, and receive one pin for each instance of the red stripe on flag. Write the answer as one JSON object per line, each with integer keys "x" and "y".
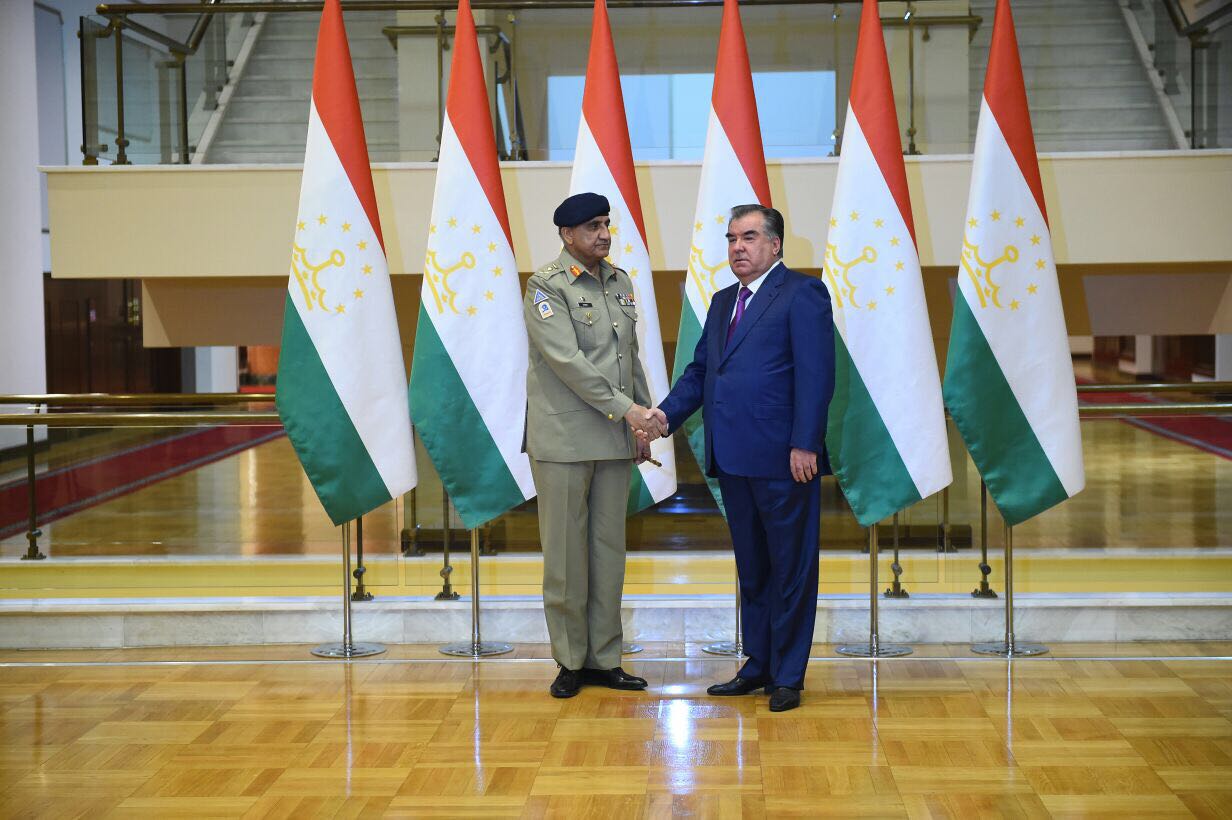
{"x": 1006, "y": 94}
{"x": 872, "y": 102}
{"x": 603, "y": 107}
{"x": 734, "y": 102}
{"x": 467, "y": 105}
{"x": 337, "y": 103}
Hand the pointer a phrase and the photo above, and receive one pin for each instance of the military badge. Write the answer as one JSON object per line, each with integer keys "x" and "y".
{"x": 540, "y": 296}
{"x": 545, "y": 310}
{"x": 575, "y": 270}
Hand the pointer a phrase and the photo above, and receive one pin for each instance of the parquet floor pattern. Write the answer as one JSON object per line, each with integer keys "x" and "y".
{"x": 414, "y": 736}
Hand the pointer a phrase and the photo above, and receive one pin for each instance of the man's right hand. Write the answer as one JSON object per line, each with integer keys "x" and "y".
{"x": 647, "y": 423}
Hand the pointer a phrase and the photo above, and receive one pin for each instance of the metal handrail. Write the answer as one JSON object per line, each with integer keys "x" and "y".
{"x": 135, "y": 399}
{"x": 189, "y": 399}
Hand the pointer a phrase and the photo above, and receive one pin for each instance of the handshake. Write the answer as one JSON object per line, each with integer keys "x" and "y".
{"x": 648, "y": 424}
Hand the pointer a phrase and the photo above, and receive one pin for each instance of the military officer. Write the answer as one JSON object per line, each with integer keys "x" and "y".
{"x": 586, "y": 398}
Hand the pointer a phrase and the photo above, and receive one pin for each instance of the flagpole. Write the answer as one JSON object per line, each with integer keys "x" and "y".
{"x": 347, "y": 648}
{"x": 475, "y": 648}
{"x": 1009, "y": 648}
{"x": 733, "y": 649}
{"x": 984, "y": 590}
{"x": 874, "y": 648}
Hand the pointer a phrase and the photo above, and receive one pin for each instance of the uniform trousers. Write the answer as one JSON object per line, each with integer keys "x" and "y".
{"x": 582, "y": 510}
{"x": 774, "y": 527}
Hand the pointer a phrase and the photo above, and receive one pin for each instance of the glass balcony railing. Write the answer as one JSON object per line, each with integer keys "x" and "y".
{"x": 178, "y": 499}
{"x": 229, "y": 82}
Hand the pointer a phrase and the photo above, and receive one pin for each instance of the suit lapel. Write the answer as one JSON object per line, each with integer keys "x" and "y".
{"x": 722, "y": 308}
{"x": 757, "y": 307}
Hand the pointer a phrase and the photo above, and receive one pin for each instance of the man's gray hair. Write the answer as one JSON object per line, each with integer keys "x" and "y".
{"x": 772, "y": 221}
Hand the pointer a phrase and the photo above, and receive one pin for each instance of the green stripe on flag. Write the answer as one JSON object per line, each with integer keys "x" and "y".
{"x": 863, "y": 455}
{"x": 686, "y": 345}
{"x": 466, "y": 457}
{"x": 333, "y": 455}
{"x": 1001, "y": 441}
{"x": 639, "y": 494}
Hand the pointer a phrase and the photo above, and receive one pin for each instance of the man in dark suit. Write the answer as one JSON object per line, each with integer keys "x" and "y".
{"x": 763, "y": 375}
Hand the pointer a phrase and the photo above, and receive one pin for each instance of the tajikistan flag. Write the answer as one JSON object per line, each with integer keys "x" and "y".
{"x": 468, "y": 375}
{"x": 733, "y": 173}
{"x": 604, "y": 164}
{"x": 887, "y": 438}
{"x": 1009, "y": 380}
{"x": 341, "y": 374}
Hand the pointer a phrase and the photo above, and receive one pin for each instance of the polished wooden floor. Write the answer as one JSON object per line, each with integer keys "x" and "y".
{"x": 265, "y": 732}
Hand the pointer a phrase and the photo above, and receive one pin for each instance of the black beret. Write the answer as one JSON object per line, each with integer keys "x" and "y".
{"x": 580, "y": 208}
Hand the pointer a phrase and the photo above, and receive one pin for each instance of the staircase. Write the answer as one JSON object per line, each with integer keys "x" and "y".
{"x": 1086, "y": 84}
{"x": 267, "y": 119}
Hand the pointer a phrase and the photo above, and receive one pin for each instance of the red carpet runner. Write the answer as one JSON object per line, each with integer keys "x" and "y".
{"x": 1212, "y": 434}
{"x": 66, "y": 490}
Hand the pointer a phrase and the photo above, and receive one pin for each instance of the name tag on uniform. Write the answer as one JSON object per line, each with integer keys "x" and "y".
{"x": 540, "y": 296}
{"x": 584, "y": 303}
{"x": 545, "y": 310}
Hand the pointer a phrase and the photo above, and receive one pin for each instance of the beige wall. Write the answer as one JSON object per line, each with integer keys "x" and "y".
{"x": 198, "y": 235}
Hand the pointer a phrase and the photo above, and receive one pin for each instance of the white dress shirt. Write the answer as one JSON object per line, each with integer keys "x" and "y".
{"x": 752, "y": 286}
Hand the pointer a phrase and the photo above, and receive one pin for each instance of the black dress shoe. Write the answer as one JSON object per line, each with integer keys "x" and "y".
{"x": 567, "y": 684}
{"x": 737, "y": 686}
{"x": 784, "y": 698}
{"x": 613, "y": 679}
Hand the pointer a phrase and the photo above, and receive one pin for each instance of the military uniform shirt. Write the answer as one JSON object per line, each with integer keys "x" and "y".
{"x": 584, "y": 371}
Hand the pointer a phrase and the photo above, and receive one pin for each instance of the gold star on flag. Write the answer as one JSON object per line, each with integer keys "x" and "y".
{"x": 1032, "y": 288}
{"x": 720, "y": 219}
{"x": 996, "y": 216}
{"x": 367, "y": 269}
{"x": 476, "y": 229}
{"x": 613, "y": 229}
{"x": 363, "y": 246}
{"x": 833, "y": 222}
{"x": 453, "y": 222}
{"x": 299, "y": 226}
{"x": 1019, "y": 222}
{"x": 697, "y": 226}
{"x": 898, "y": 266}
{"x": 878, "y": 223}
{"x": 872, "y": 305}
{"x": 890, "y": 290}
{"x": 321, "y": 220}
{"x": 472, "y": 310}
{"x": 628, "y": 248}
{"x": 491, "y": 247}
{"x": 489, "y": 295}
{"x": 1014, "y": 305}
{"x": 340, "y": 309}
{"x": 1035, "y": 240}
{"x": 431, "y": 229}
{"x": 359, "y": 294}
{"x": 1039, "y": 263}
{"x": 632, "y": 273}
{"x": 855, "y": 216}
{"x": 496, "y": 271}
{"x": 346, "y": 226}
{"x": 973, "y": 222}
{"x": 894, "y": 241}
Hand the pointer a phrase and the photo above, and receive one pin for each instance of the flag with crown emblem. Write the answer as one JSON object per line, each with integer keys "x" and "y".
{"x": 887, "y": 438}
{"x": 1009, "y": 380}
{"x": 340, "y": 387}
{"x": 468, "y": 373}
{"x": 733, "y": 173}
{"x": 604, "y": 164}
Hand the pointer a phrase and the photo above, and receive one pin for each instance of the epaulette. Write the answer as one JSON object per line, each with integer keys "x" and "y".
{"x": 550, "y": 268}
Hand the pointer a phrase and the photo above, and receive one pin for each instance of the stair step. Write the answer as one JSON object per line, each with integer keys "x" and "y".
{"x": 263, "y": 85}
{"x": 250, "y": 110}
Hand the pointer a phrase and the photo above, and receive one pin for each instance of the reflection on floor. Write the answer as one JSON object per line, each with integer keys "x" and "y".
{"x": 241, "y": 732}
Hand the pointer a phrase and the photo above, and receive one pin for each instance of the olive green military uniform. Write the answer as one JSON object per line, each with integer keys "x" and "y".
{"x": 584, "y": 376}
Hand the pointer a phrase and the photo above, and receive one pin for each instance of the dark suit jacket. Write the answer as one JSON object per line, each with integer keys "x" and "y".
{"x": 769, "y": 389}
